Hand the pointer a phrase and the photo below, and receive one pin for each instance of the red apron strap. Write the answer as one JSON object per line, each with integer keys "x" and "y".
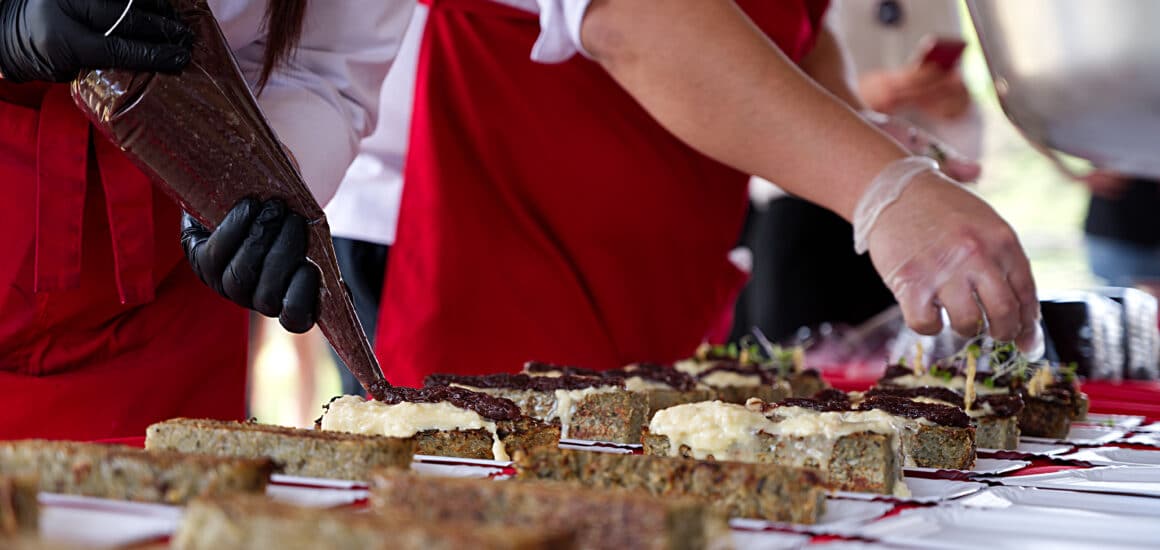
{"x": 61, "y": 165}
{"x": 129, "y": 204}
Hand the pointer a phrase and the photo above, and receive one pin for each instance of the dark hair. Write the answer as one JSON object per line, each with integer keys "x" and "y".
{"x": 283, "y": 24}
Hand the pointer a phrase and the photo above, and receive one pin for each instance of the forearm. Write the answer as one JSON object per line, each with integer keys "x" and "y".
{"x": 706, "y": 73}
{"x": 829, "y": 66}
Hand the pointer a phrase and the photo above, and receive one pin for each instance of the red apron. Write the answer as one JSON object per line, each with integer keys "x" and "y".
{"x": 104, "y": 329}
{"x": 546, "y": 215}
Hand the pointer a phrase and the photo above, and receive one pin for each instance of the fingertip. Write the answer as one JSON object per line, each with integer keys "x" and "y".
{"x": 1032, "y": 343}
{"x": 300, "y": 305}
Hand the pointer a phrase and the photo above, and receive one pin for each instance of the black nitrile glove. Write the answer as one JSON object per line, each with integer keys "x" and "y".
{"x": 54, "y": 40}
{"x": 257, "y": 258}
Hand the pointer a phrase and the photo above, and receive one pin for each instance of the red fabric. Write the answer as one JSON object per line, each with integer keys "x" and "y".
{"x": 546, "y": 215}
{"x": 103, "y": 327}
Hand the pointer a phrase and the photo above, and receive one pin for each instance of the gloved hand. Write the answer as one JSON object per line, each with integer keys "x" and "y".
{"x": 937, "y": 245}
{"x": 53, "y": 40}
{"x": 920, "y": 142}
{"x": 257, "y": 258}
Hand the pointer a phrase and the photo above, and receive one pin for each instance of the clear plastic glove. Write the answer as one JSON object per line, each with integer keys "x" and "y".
{"x": 921, "y": 142}
{"x": 937, "y": 245}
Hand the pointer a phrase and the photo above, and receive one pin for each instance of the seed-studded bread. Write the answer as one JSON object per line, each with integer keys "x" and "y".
{"x": 860, "y": 454}
{"x": 444, "y": 421}
{"x": 126, "y": 473}
{"x": 738, "y": 489}
{"x": 606, "y": 518}
{"x": 313, "y": 453}
{"x": 662, "y": 386}
{"x": 585, "y": 407}
{"x": 246, "y": 522}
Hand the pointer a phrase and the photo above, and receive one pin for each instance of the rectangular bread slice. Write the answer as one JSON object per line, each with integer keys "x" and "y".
{"x": 1046, "y": 417}
{"x": 584, "y": 407}
{"x": 608, "y": 518}
{"x": 662, "y": 398}
{"x": 933, "y": 435}
{"x": 861, "y": 463}
{"x": 311, "y": 453}
{"x": 249, "y": 522}
{"x": 522, "y": 434}
{"x": 441, "y": 427}
{"x": 995, "y": 432}
{"x": 994, "y": 416}
{"x": 125, "y": 473}
{"x": 19, "y": 509}
{"x": 736, "y": 382}
{"x": 662, "y": 386}
{"x": 863, "y": 454}
{"x": 737, "y": 489}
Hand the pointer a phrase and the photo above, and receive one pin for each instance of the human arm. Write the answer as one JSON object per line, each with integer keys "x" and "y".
{"x": 706, "y": 73}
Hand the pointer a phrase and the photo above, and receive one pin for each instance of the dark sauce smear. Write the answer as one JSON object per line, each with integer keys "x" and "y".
{"x": 524, "y": 382}
{"x": 1002, "y": 405}
{"x": 487, "y": 406}
{"x": 931, "y": 392}
{"x": 820, "y": 405}
{"x": 943, "y": 415}
{"x": 660, "y": 373}
{"x": 664, "y": 374}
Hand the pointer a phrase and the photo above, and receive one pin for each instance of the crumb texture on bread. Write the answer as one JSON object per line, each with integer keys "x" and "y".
{"x": 125, "y": 473}
{"x": 311, "y": 453}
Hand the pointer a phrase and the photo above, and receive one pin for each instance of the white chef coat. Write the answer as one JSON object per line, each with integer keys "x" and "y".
{"x": 366, "y": 207}
{"x": 324, "y": 100}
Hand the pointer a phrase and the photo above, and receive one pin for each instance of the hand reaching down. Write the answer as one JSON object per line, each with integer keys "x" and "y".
{"x": 937, "y": 245}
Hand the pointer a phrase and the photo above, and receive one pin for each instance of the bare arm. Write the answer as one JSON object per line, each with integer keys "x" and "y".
{"x": 706, "y": 73}
{"x": 736, "y": 97}
{"x": 830, "y": 67}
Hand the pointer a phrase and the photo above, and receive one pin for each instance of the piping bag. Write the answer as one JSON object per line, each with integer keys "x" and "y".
{"x": 202, "y": 138}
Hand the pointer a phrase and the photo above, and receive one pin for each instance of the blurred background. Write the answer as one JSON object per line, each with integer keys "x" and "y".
{"x": 292, "y": 376}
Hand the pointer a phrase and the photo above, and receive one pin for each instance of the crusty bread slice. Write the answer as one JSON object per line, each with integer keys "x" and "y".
{"x": 250, "y": 522}
{"x": 738, "y": 489}
{"x": 125, "y": 473}
{"x": 313, "y": 453}
{"x": 606, "y": 518}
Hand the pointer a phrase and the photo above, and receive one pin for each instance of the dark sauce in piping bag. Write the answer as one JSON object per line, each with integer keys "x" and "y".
{"x": 202, "y": 138}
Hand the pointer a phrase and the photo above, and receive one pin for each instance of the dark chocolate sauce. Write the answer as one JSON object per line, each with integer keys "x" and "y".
{"x": 524, "y": 382}
{"x": 487, "y": 406}
{"x": 943, "y": 415}
{"x": 931, "y": 392}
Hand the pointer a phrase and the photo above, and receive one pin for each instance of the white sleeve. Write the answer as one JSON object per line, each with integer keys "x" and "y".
{"x": 560, "y": 22}
{"x": 325, "y": 99}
